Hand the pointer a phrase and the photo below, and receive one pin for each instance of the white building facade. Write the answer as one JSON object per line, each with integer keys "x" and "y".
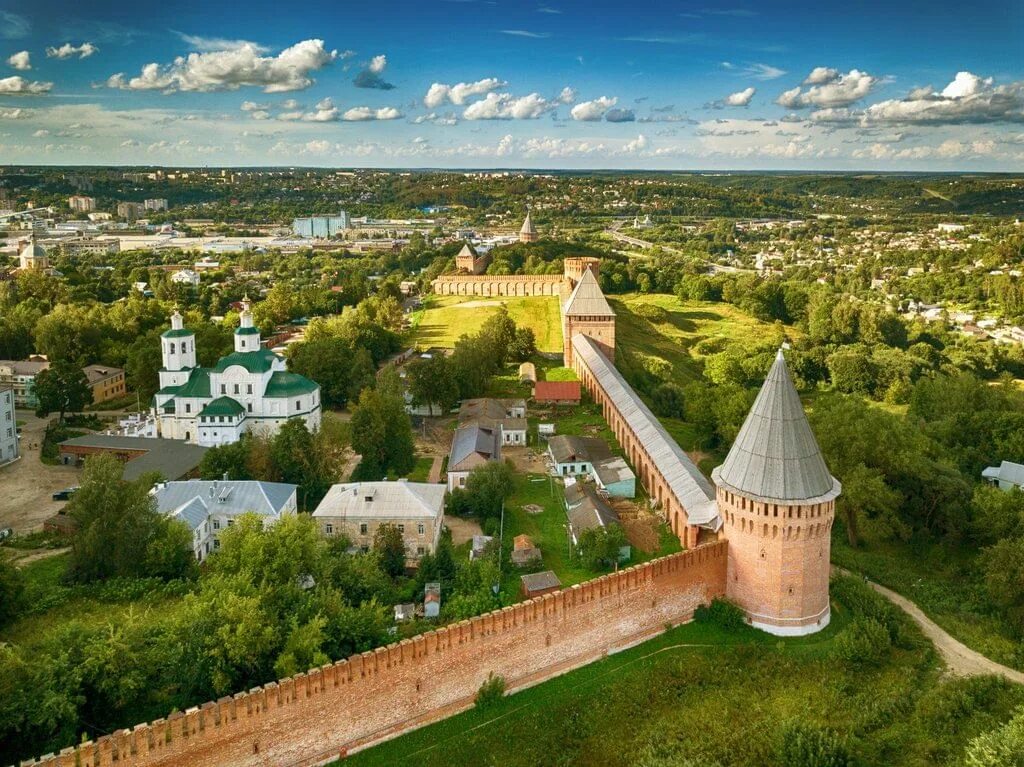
{"x": 8, "y": 426}
{"x": 248, "y": 390}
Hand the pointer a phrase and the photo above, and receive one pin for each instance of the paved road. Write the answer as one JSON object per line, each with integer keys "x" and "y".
{"x": 959, "y": 658}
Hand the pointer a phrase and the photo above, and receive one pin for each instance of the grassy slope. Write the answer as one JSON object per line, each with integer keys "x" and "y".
{"x": 444, "y": 319}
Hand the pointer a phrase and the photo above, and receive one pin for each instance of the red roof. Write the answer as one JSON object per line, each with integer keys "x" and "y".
{"x": 556, "y": 391}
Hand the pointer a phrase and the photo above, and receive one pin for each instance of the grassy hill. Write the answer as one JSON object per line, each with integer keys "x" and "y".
{"x": 444, "y": 318}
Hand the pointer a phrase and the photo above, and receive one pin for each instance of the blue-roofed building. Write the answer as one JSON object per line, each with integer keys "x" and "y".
{"x": 209, "y": 507}
{"x": 248, "y": 390}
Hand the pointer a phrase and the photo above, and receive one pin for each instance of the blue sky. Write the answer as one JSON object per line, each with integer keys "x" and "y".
{"x": 472, "y": 83}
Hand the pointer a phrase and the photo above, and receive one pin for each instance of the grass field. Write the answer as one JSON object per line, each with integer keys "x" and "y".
{"x": 445, "y": 318}
{"x": 421, "y": 470}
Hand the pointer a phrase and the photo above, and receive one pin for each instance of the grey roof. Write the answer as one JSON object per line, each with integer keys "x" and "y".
{"x": 775, "y": 456}
{"x": 541, "y": 581}
{"x": 587, "y": 298}
{"x": 1006, "y": 471}
{"x": 467, "y": 250}
{"x": 472, "y": 446}
{"x": 25, "y": 367}
{"x": 527, "y": 227}
{"x": 227, "y": 497}
{"x": 96, "y": 373}
{"x": 612, "y": 470}
{"x": 587, "y": 510}
{"x": 193, "y": 513}
{"x": 173, "y": 458}
{"x": 691, "y": 488}
{"x": 567, "y": 448}
{"x": 390, "y": 500}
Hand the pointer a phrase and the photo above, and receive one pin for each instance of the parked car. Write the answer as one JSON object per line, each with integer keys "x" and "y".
{"x": 65, "y": 494}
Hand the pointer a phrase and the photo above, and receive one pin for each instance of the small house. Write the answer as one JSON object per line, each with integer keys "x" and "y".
{"x": 1006, "y": 476}
{"x": 528, "y": 373}
{"x": 538, "y": 584}
{"x": 524, "y": 552}
{"x": 405, "y": 612}
{"x": 557, "y": 392}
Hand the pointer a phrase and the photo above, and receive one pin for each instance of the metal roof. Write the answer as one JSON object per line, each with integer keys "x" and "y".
{"x": 587, "y": 510}
{"x": 541, "y": 581}
{"x": 283, "y": 384}
{"x": 389, "y": 500}
{"x": 193, "y": 513}
{"x": 567, "y": 448}
{"x": 587, "y": 299}
{"x": 613, "y": 470}
{"x": 691, "y": 488}
{"x": 557, "y": 391}
{"x": 775, "y": 456}
{"x": 472, "y": 446}
{"x": 228, "y": 497}
{"x": 259, "y": 361}
{"x": 527, "y": 227}
{"x": 172, "y": 458}
{"x": 1006, "y": 471}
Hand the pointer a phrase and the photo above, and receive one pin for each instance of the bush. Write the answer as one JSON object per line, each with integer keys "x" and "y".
{"x": 1001, "y": 747}
{"x": 804, "y": 745}
{"x": 865, "y": 642}
{"x": 491, "y": 692}
{"x": 721, "y": 613}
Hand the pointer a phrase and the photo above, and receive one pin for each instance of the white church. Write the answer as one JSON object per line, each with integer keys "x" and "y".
{"x": 248, "y": 390}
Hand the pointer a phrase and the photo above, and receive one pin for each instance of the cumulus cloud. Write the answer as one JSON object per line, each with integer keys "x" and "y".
{"x": 290, "y": 70}
{"x": 829, "y": 88}
{"x": 371, "y": 76}
{"x": 591, "y": 111}
{"x": 68, "y": 51}
{"x": 739, "y": 99}
{"x": 252, "y": 106}
{"x": 504, "y": 106}
{"x": 361, "y": 114}
{"x": 19, "y": 86}
{"x": 458, "y": 94}
{"x": 323, "y": 112}
{"x": 620, "y": 115}
{"x": 20, "y": 61}
{"x": 947, "y": 150}
{"x": 967, "y": 99}
{"x": 636, "y": 145}
{"x": 567, "y": 96}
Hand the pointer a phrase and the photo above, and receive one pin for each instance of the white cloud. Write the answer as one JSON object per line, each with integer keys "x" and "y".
{"x": 252, "y": 106}
{"x": 41, "y": 132}
{"x": 207, "y": 44}
{"x": 360, "y": 114}
{"x": 829, "y": 88}
{"x": 323, "y": 112}
{"x": 457, "y": 94}
{"x": 378, "y": 64}
{"x": 966, "y": 99}
{"x": 67, "y": 51}
{"x": 290, "y": 70}
{"x": 13, "y": 26}
{"x": 505, "y": 146}
{"x": 764, "y": 71}
{"x": 371, "y": 76}
{"x": 19, "y": 86}
{"x": 20, "y": 61}
{"x": 740, "y": 98}
{"x": 504, "y": 106}
{"x": 636, "y": 145}
{"x": 590, "y": 111}
{"x": 567, "y": 96}
{"x": 620, "y": 116}
{"x": 525, "y": 33}
{"x": 260, "y": 114}
{"x": 13, "y": 114}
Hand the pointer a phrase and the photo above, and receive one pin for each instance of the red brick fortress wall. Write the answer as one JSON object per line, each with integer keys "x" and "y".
{"x": 311, "y": 718}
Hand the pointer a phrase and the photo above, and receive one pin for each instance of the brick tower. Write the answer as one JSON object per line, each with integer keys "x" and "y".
{"x": 527, "y": 233}
{"x": 587, "y": 312}
{"x": 777, "y": 502}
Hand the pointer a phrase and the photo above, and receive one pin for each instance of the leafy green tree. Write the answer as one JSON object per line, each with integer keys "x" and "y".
{"x": 523, "y": 345}
{"x": 230, "y": 460}
{"x": 61, "y": 388}
{"x": 599, "y": 547}
{"x": 388, "y": 542}
{"x": 12, "y": 592}
{"x": 327, "y": 361}
{"x": 1003, "y": 566}
{"x": 382, "y": 435}
{"x": 303, "y": 648}
{"x": 488, "y": 486}
{"x": 142, "y": 365}
{"x": 997, "y": 514}
{"x": 432, "y": 382}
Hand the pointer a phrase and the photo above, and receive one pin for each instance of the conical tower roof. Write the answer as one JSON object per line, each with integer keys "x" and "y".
{"x": 467, "y": 250}
{"x": 527, "y": 225}
{"x": 775, "y": 456}
{"x": 587, "y": 299}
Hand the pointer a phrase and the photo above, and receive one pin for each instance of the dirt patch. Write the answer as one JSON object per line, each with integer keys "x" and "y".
{"x": 640, "y": 524}
{"x": 532, "y": 508}
{"x": 526, "y": 459}
{"x": 27, "y": 556}
{"x": 696, "y": 456}
{"x": 462, "y": 529}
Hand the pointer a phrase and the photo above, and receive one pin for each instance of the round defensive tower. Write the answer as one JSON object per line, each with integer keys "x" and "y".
{"x": 776, "y": 498}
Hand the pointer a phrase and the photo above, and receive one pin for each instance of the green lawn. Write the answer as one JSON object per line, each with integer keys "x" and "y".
{"x": 421, "y": 471}
{"x": 700, "y": 696}
{"x": 445, "y": 318}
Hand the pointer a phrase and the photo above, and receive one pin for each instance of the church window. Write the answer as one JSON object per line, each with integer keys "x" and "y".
{"x": 236, "y": 388}
{"x": 298, "y": 404}
{"x": 420, "y": 528}
{"x": 188, "y": 407}
{"x": 172, "y": 348}
{"x": 249, "y": 406}
{"x": 223, "y": 388}
{"x": 248, "y": 388}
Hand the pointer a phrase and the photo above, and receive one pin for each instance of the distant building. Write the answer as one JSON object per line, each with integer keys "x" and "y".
{"x": 185, "y": 277}
{"x": 155, "y": 204}
{"x": 20, "y": 375}
{"x": 210, "y": 507}
{"x": 467, "y": 260}
{"x": 8, "y": 426}
{"x": 248, "y": 390}
{"x": 357, "y": 509}
{"x": 33, "y": 256}
{"x": 527, "y": 233}
{"x": 130, "y": 211}
{"x": 431, "y": 600}
{"x": 321, "y": 227}
{"x": 170, "y": 458}
{"x": 80, "y": 204}
{"x": 472, "y": 446}
{"x": 1006, "y": 476}
{"x": 557, "y": 392}
{"x": 105, "y": 382}
{"x": 506, "y": 416}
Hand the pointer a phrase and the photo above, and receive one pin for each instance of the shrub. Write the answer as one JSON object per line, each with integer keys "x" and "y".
{"x": 865, "y": 642}
{"x": 491, "y": 691}
{"x": 721, "y": 613}
{"x": 804, "y": 745}
{"x": 1001, "y": 747}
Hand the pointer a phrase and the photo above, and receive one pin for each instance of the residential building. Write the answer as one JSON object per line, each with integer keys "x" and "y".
{"x": 8, "y": 426}
{"x": 506, "y": 416}
{"x": 210, "y": 507}
{"x": 248, "y": 390}
{"x": 539, "y": 584}
{"x": 105, "y": 382}
{"x": 170, "y": 458}
{"x": 572, "y": 456}
{"x": 130, "y": 211}
{"x": 185, "y": 277}
{"x": 587, "y": 510}
{"x": 524, "y": 552}
{"x": 321, "y": 227}
{"x": 155, "y": 204}
{"x": 20, "y": 375}
{"x": 80, "y": 204}
{"x": 1006, "y": 476}
{"x": 357, "y": 509}
{"x": 556, "y": 392}
{"x": 472, "y": 446}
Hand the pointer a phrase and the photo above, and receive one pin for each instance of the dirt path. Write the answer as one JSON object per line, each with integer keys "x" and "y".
{"x": 435, "y": 469}
{"x": 35, "y": 556}
{"x": 960, "y": 659}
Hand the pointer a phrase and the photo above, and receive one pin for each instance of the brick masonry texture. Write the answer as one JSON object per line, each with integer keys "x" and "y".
{"x": 313, "y": 718}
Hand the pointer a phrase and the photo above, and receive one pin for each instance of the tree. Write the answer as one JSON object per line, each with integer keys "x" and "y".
{"x": 327, "y": 361}
{"x": 230, "y": 461}
{"x": 432, "y": 382}
{"x": 12, "y": 591}
{"x": 488, "y": 486}
{"x": 142, "y": 365}
{"x": 61, "y": 388}
{"x": 523, "y": 346}
{"x": 1003, "y": 565}
{"x": 120, "y": 531}
{"x": 382, "y": 435}
{"x": 388, "y": 542}
{"x": 599, "y": 547}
